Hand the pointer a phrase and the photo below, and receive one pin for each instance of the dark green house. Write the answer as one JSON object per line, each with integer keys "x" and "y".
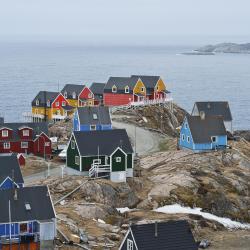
{"x": 101, "y": 153}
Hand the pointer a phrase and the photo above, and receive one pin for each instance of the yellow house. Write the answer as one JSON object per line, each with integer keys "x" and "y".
{"x": 50, "y": 106}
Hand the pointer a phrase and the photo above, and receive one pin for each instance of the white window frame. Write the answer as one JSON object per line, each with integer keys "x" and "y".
{"x": 183, "y": 137}
{"x": 73, "y": 144}
{"x": 46, "y": 144}
{"x": 97, "y": 161}
{"x": 90, "y": 95}
{"x": 74, "y": 95}
{"x": 57, "y": 104}
{"x": 118, "y": 159}
{"x": 5, "y": 133}
{"x": 142, "y": 89}
{"x": 37, "y": 102}
{"x": 63, "y": 103}
{"x": 127, "y": 89}
{"x": 24, "y": 144}
{"x": 95, "y": 116}
{"x": 65, "y": 94}
{"x": 130, "y": 244}
{"x": 26, "y": 132}
{"x": 188, "y": 139}
{"x": 77, "y": 160}
{"x": 216, "y": 139}
{"x": 48, "y": 103}
{"x": 6, "y": 145}
{"x": 93, "y": 127}
{"x": 114, "y": 89}
{"x": 186, "y": 125}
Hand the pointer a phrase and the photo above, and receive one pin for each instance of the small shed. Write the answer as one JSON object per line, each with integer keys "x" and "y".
{"x": 21, "y": 159}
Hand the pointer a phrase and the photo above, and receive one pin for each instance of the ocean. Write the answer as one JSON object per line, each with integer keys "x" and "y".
{"x": 26, "y": 68}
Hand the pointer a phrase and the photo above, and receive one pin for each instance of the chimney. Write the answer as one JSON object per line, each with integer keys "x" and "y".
{"x": 202, "y": 115}
{"x": 156, "y": 229}
{"x": 15, "y": 194}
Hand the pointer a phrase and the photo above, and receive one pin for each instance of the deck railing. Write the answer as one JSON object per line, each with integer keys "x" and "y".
{"x": 96, "y": 169}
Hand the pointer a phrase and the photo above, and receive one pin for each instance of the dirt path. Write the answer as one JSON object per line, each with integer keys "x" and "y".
{"x": 145, "y": 142}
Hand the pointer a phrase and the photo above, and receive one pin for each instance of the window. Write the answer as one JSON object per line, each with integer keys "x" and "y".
{"x": 24, "y": 144}
{"x": 95, "y": 116}
{"x": 188, "y": 139}
{"x": 26, "y": 132}
{"x": 142, "y": 89}
{"x": 73, "y": 145}
{"x": 74, "y": 95}
{"x": 183, "y": 137}
{"x": 114, "y": 89}
{"x": 214, "y": 138}
{"x": 186, "y": 125}
{"x": 77, "y": 160}
{"x": 48, "y": 103}
{"x": 65, "y": 94}
{"x": 63, "y": 103}
{"x": 37, "y": 102}
{"x": 127, "y": 89}
{"x": 118, "y": 159}
{"x": 47, "y": 144}
{"x": 23, "y": 228}
{"x": 92, "y": 127}
{"x": 6, "y": 145}
{"x": 5, "y": 133}
{"x": 27, "y": 206}
{"x": 129, "y": 244}
{"x": 90, "y": 95}
{"x": 57, "y": 104}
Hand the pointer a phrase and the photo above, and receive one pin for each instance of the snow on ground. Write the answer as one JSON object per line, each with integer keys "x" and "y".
{"x": 226, "y": 222}
{"x": 124, "y": 210}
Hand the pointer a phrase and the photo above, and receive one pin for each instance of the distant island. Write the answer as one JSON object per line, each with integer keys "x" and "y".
{"x": 225, "y": 48}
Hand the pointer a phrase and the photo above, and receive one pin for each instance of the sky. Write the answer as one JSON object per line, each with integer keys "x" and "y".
{"x": 126, "y": 21}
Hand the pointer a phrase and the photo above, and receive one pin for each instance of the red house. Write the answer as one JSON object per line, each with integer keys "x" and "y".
{"x": 86, "y": 97}
{"x": 21, "y": 159}
{"x": 25, "y": 138}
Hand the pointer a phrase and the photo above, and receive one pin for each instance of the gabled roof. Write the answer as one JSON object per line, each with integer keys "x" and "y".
{"x": 203, "y": 129}
{"x": 215, "y": 108}
{"x": 70, "y": 88}
{"x": 38, "y": 128}
{"x": 171, "y": 235}
{"x": 37, "y": 197}
{"x": 9, "y": 167}
{"x": 121, "y": 83}
{"x": 97, "y": 88}
{"x": 149, "y": 81}
{"x": 43, "y": 97}
{"x": 106, "y": 140}
{"x": 94, "y": 115}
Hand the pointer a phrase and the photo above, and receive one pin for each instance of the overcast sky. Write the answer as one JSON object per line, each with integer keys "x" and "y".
{"x": 126, "y": 21}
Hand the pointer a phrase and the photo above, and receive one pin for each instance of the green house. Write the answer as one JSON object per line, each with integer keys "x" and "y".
{"x": 101, "y": 153}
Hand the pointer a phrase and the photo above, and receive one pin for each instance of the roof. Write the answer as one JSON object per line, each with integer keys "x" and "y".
{"x": 67, "y": 107}
{"x": 43, "y": 97}
{"x": 149, "y": 81}
{"x": 94, "y": 115}
{"x": 171, "y": 235}
{"x": 9, "y": 167}
{"x": 97, "y": 88}
{"x": 121, "y": 83}
{"x": 106, "y": 140}
{"x": 203, "y": 129}
{"x": 215, "y": 108}
{"x": 36, "y": 196}
{"x": 38, "y": 128}
{"x": 70, "y": 88}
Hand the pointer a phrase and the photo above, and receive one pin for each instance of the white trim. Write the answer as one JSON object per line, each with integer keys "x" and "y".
{"x": 42, "y": 133}
{"x": 24, "y": 143}
{"x": 84, "y": 87}
{"x": 10, "y": 180}
{"x": 79, "y": 153}
{"x": 24, "y": 127}
{"x": 126, "y": 89}
{"x": 5, "y": 128}
{"x": 216, "y": 138}
{"x": 8, "y": 143}
{"x": 77, "y": 158}
{"x": 129, "y": 242}
{"x": 57, "y": 97}
{"x": 52, "y": 208}
{"x": 126, "y": 236}
{"x": 6, "y": 131}
{"x": 94, "y": 126}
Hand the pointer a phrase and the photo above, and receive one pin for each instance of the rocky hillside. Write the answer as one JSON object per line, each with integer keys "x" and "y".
{"x": 160, "y": 118}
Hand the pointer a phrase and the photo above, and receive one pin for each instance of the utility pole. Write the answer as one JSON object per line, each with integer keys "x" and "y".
{"x": 135, "y": 140}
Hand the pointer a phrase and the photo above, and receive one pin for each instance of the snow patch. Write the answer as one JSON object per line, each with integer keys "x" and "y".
{"x": 226, "y": 222}
{"x": 124, "y": 209}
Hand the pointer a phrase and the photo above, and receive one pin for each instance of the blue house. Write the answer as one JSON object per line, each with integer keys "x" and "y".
{"x": 10, "y": 172}
{"x": 27, "y": 216}
{"x": 92, "y": 118}
{"x": 203, "y": 133}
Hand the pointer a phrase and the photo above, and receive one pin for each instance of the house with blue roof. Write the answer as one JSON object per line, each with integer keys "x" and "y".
{"x": 92, "y": 118}
{"x": 203, "y": 133}
{"x": 10, "y": 172}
